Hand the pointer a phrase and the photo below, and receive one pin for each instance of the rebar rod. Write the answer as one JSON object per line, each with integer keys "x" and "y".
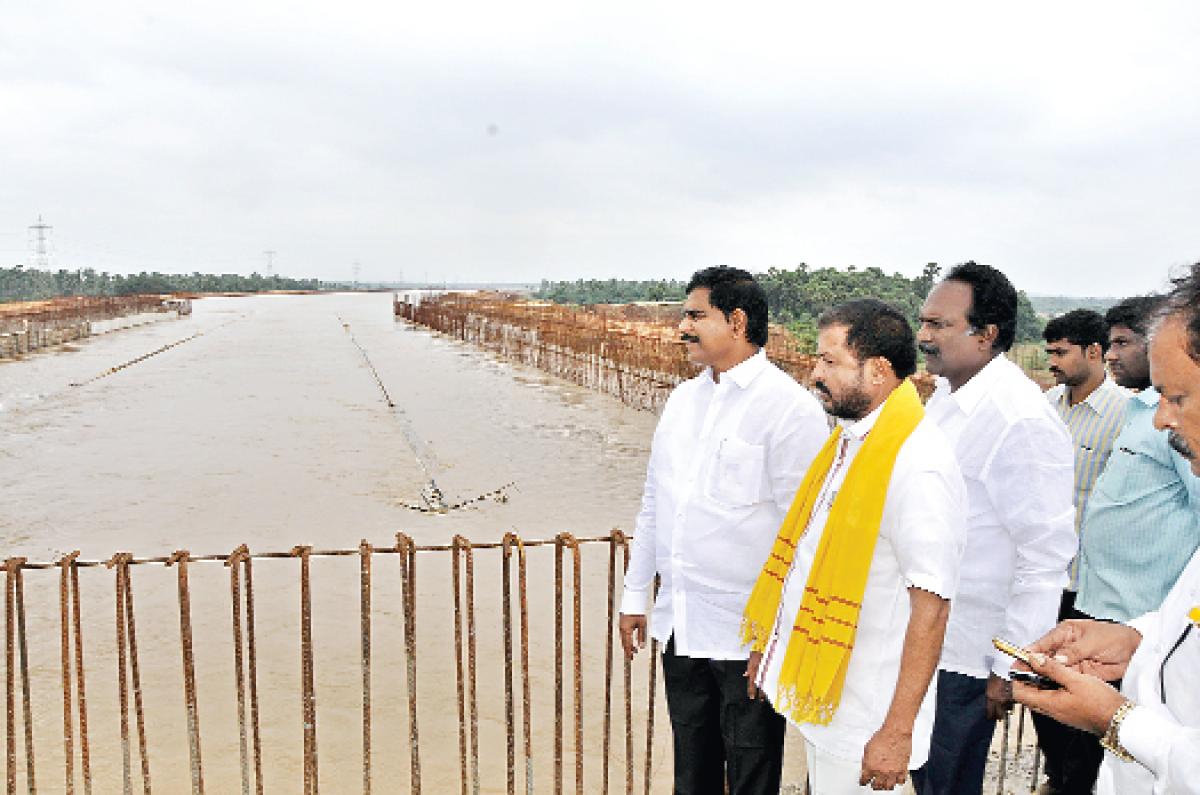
{"x": 187, "y": 654}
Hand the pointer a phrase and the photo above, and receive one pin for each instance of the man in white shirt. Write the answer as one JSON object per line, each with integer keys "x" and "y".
{"x": 1016, "y": 458}
{"x": 909, "y": 544}
{"x": 729, "y": 451}
{"x": 1151, "y": 728}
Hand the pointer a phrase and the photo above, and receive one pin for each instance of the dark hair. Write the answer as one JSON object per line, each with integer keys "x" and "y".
{"x": 1183, "y": 302}
{"x": 993, "y": 300}
{"x": 1081, "y": 327}
{"x": 874, "y": 328}
{"x": 1134, "y": 313}
{"x": 734, "y": 288}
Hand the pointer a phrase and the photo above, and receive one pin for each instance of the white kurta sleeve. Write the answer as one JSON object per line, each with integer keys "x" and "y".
{"x": 639, "y": 576}
{"x": 1164, "y": 747}
{"x": 1032, "y": 484}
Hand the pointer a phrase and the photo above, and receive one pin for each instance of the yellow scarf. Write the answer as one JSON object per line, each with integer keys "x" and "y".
{"x": 814, "y": 667}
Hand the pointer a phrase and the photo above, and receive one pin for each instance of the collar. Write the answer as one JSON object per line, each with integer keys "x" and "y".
{"x": 1148, "y": 397}
{"x": 1095, "y": 399}
{"x": 859, "y": 429}
{"x": 968, "y": 396}
{"x": 744, "y": 373}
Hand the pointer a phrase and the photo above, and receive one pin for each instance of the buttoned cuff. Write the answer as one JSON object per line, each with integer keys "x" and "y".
{"x": 635, "y": 603}
{"x": 1147, "y": 736}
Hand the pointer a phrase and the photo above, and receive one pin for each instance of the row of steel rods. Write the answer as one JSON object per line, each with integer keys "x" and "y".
{"x": 70, "y": 619}
{"x": 242, "y": 622}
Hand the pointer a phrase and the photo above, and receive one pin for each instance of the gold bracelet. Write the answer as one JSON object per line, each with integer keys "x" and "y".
{"x": 1111, "y": 741}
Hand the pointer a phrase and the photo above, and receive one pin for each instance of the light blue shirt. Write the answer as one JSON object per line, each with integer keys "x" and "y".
{"x": 1094, "y": 423}
{"x": 1141, "y": 525}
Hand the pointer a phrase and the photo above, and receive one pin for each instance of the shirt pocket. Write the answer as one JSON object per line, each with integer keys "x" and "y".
{"x": 737, "y": 477}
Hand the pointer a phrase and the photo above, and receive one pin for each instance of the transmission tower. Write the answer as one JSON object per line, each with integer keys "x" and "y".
{"x": 357, "y": 271}
{"x": 270, "y": 255}
{"x": 41, "y": 245}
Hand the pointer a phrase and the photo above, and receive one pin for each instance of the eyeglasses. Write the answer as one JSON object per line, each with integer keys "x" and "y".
{"x": 1162, "y": 669}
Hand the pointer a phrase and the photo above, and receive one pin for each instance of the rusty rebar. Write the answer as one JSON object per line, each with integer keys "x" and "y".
{"x": 364, "y": 598}
{"x": 608, "y": 659}
{"x": 135, "y": 670}
{"x": 577, "y": 655}
{"x": 26, "y": 701}
{"x": 239, "y": 675}
{"x": 459, "y": 675}
{"x": 558, "y": 666}
{"x": 64, "y": 602}
{"x": 129, "y": 673}
{"x": 85, "y": 755}
{"x": 187, "y": 654}
{"x": 308, "y": 707}
{"x": 627, "y": 675}
{"x": 122, "y": 672}
{"x": 467, "y": 703}
{"x": 222, "y": 557}
{"x": 10, "y": 737}
{"x": 506, "y": 620}
{"x": 408, "y": 574}
{"x": 252, "y": 673}
{"x": 1003, "y": 755}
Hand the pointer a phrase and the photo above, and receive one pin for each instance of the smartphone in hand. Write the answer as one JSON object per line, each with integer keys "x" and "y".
{"x": 1022, "y": 654}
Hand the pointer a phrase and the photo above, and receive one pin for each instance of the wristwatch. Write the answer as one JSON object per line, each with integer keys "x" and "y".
{"x": 1111, "y": 740}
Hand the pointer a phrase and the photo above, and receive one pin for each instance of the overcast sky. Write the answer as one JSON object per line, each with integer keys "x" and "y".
{"x": 1059, "y": 141}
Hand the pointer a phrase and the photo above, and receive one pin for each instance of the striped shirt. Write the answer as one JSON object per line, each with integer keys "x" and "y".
{"x": 1141, "y": 525}
{"x": 1094, "y": 423}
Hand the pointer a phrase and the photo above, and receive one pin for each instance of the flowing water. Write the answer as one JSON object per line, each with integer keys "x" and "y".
{"x": 269, "y": 428}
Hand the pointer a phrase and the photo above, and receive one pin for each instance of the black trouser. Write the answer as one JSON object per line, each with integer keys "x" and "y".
{"x": 1072, "y": 756}
{"x": 719, "y": 730}
{"x": 962, "y": 735}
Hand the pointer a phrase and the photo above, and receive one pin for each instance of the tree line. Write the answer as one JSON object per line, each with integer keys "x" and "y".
{"x": 30, "y": 284}
{"x": 796, "y": 297}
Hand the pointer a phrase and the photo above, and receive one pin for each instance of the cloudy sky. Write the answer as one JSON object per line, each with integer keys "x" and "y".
{"x": 516, "y": 141}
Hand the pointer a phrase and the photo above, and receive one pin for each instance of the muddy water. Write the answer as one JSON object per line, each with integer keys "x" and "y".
{"x": 269, "y": 429}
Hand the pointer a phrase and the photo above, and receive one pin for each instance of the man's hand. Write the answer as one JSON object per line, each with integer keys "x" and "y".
{"x": 1084, "y": 701}
{"x": 1099, "y": 648}
{"x": 999, "y": 697}
{"x": 752, "y": 665}
{"x": 885, "y": 759}
{"x": 633, "y": 633}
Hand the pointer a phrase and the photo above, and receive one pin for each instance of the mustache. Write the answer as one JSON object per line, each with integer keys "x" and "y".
{"x": 927, "y": 348}
{"x": 688, "y": 338}
{"x": 1180, "y": 445}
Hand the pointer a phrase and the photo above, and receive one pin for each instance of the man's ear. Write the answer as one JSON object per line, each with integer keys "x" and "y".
{"x": 989, "y": 334}
{"x": 880, "y": 368}
{"x": 739, "y": 322}
{"x": 1094, "y": 352}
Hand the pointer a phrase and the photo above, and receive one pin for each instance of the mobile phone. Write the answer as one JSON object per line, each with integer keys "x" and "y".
{"x": 1011, "y": 649}
{"x": 1022, "y": 654}
{"x": 1037, "y": 680}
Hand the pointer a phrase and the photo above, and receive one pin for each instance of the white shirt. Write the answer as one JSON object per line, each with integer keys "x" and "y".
{"x": 920, "y": 545}
{"x": 1016, "y": 458}
{"x": 724, "y": 466}
{"x": 1164, "y": 738}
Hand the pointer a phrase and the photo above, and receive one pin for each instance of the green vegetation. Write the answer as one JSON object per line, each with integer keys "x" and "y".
{"x": 587, "y": 292}
{"x": 29, "y": 284}
{"x": 796, "y": 297}
{"x": 1055, "y": 305}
